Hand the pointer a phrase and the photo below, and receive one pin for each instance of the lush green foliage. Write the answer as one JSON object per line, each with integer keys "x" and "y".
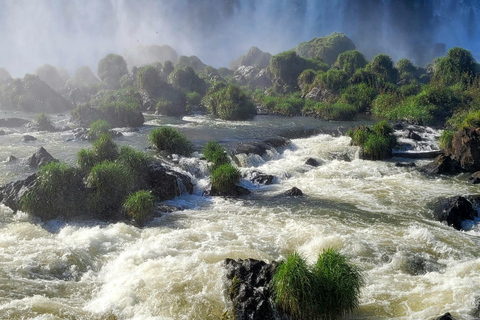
{"x": 284, "y": 105}
{"x": 459, "y": 66}
{"x": 98, "y": 128}
{"x": 44, "y": 123}
{"x": 186, "y": 79}
{"x": 111, "y": 68}
{"x": 333, "y": 80}
{"x": 148, "y": 78}
{"x": 326, "y": 48}
{"x": 230, "y": 103}
{"x": 360, "y": 96}
{"x": 215, "y": 153}
{"x": 327, "y": 290}
{"x": 103, "y": 149}
{"x": 376, "y": 142}
{"x": 446, "y": 139}
{"x": 170, "y": 140}
{"x": 122, "y": 108}
{"x": 224, "y": 178}
{"x": 337, "y": 111}
{"x": 382, "y": 66}
{"x": 350, "y": 61}
{"x": 139, "y": 205}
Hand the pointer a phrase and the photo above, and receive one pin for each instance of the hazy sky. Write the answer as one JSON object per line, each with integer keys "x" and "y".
{"x": 72, "y": 33}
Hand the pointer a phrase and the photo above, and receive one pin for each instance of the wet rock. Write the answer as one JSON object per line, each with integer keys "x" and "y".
{"x": 277, "y": 142}
{"x": 466, "y": 149}
{"x": 446, "y": 316}
{"x": 2, "y": 133}
{"x": 11, "y": 159}
{"x": 258, "y": 177}
{"x": 414, "y": 136}
{"x": 252, "y": 76}
{"x": 236, "y": 191}
{"x": 312, "y": 162}
{"x": 405, "y": 165}
{"x": 294, "y": 192}
{"x": 40, "y": 158}
{"x": 259, "y": 148}
{"x": 165, "y": 183}
{"x": 442, "y": 164}
{"x": 249, "y": 282}
{"x": 340, "y": 156}
{"x": 28, "y": 138}
{"x": 455, "y": 210}
{"x": 474, "y": 178}
{"x": 13, "y": 122}
{"x": 11, "y": 194}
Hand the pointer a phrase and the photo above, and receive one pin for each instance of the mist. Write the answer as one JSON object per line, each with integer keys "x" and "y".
{"x": 74, "y": 33}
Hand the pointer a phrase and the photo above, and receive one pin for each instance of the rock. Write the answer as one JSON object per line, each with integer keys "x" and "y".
{"x": 414, "y": 136}
{"x": 466, "y": 149}
{"x": 254, "y": 57}
{"x": 167, "y": 184}
{"x": 474, "y": 178}
{"x": 294, "y": 192}
{"x": 455, "y": 210}
{"x": 251, "y": 148}
{"x": 442, "y": 164}
{"x": 28, "y": 138}
{"x": 405, "y": 165}
{"x": 277, "y": 142}
{"x": 252, "y": 76}
{"x": 11, "y": 194}
{"x": 2, "y": 133}
{"x": 11, "y": 159}
{"x": 40, "y": 158}
{"x": 312, "y": 162}
{"x": 258, "y": 177}
{"x": 237, "y": 191}
{"x": 446, "y": 316}
{"x": 249, "y": 282}
{"x": 13, "y": 122}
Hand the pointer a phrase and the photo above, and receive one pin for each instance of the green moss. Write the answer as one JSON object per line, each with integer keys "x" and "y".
{"x": 326, "y": 48}
{"x": 170, "y": 140}
{"x": 225, "y": 178}
{"x": 139, "y": 206}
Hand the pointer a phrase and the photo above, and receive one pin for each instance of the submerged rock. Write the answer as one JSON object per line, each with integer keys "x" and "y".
{"x": 312, "y": 162}
{"x": 294, "y": 192}
{"x": 456, "y": 210}
{"x": 28, "y": 138}
{"x": 249, "y": 282}
{"x": 237, "y": 191}
{"x": 446, "y": 316}
{"x": 474, "y": 178}
{"x": 258, "y": 177}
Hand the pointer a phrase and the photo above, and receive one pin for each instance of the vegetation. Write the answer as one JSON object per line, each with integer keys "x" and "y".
{"x": 230, "y": 103}
{"x": 171, "y": 140}
{"x": 446, "y": 139}
{"x": 376, "y": 142}
{"x": 111, "y": 68}
{"x": 216, "y": 154}
{"x": 327, "y": 48}
{"x": 98, "y": 128}
{"x": 225, "y": 178}
{"x": 139, "y": 206}
{"x": 44, "y": 123}
{"x": 327, "y": 290}
{"x": 350, "y": 61}
{"x": 336, "y": 112}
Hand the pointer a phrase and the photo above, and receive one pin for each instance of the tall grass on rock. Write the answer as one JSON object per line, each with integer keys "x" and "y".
{"x": 376, "y": 142}
{"x": 98, "y": 128}
{"x": 171, "y": 140}
{"x": 225, "y": 178}
{"x": 230, "y": 103}
{"x": 139, "y": 206}
{"x": 215, "y": 153}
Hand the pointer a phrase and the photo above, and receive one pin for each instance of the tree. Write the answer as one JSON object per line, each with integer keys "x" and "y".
{"x": 111, "y": 69}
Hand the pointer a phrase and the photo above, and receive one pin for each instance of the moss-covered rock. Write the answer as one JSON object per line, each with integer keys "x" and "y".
{"x": 254, "y": 57}
{"x": 192, "y": 61}
{"x": 326, "y": 48}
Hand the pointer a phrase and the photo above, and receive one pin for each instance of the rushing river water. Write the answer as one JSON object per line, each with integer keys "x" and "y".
{"x": 376, "y": 213}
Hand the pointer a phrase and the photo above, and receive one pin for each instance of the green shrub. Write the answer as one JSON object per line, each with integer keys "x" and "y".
{"x": 148, "y": 78}
{"x": 225, "y": 178}
{"x": 109, "y": 183}
{"x": 334, "y": 80}
{"x": 171, "y": 140}
{"x": 98, "y": 128}
{"x": 171, "y": 101}
{"x": 382, "y": 66}
{"x": 105, "y": 149}
{"x": 215, "y": 153}
{"x": 470, "y": 119}
{"x": 411, "y": 89}
{"x": 137, "y": 162}
{"x": 139, "y": 206}
{"x": 459, "y": 66}
{"x": 335, "y": 112}
{"x": 446, "y": 139}
{"x": 337, "y": 282}
{"x": 193, "y": 98}
{"x": 287, "y": 106}
{"x": 111, "y": 68}
{"x": 86, "y": 159}
{"x": 326, "y": 48}
{"x": 44, "y": 123}
{"x": 365, "y": 76}
{"x": 294, "y": 288}
{"x": 122, "y": 108}
{"x": 360, "y": 96}
{"x": 376, "y": 142}
{"x": 405, "y": 67}
{"x": 186, "y": 79}
{"x": 350, "y": 61}
{"x": 58, "y": 193}
{"x": 230, "y": 103}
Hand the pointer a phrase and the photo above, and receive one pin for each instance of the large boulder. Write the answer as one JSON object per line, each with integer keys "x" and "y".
{"x": 254, "y": 57}
{"x": 326, "y": 48}
{"x": 13, "y": 122}
{"x": 466, "y": 149}
{"x": 253, "y": 76}
{"x": 456, "y": 210}
{"x": 11, "y": 193}
{"x": 446, "y": 316}
{"x": 250, "y": 286}
{"x": 165, "y": 183}
{"x": 443, "y": 164}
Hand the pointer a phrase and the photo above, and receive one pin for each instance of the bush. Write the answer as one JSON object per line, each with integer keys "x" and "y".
{"x": 350, "y": 61}
{"x": 186, "y": 79}
{"x": 326, "y": 48}
{"x": 459, "y": 66}
{"x": 230, "y": 103}
{"x": 148, "y": 79}
{"x": 111, "y": 68}
{"x": 171, "y": 140}
{"x": 376, "y": 142}
{"x": 287, "y": 106}
{"x": 446, "y": 139}
{"x": 98, "y": 128}
{"x": 329, "y": 289}
{"x": 382, "y": 66}
{"x": 122, "y": 108}
{"x": 137, "y": 162}
{"x": 58, "y": 193}
{"x": 360, "y": 96}
{"x": 193, "y": 98}
{"x": 109, "y": 184}
{"x": 335, "y": 112}
{"x": 225, "y": 178}
{"x": 105, "y": 149}
{"x": 215, "y": 153}
{"x": 86, "y": 159}
{"x": 44, "y": 123}
{"x": 139, "y": 206}
{"x": 333, "y": 80}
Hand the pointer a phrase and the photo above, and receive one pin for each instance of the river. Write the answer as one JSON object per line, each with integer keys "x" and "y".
{"x": 378, "y": 214}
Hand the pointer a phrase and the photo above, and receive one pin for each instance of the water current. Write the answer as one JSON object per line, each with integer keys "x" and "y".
{"x": 378, "y": 214}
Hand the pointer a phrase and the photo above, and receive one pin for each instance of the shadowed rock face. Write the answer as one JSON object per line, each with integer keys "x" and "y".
{"x": 455, "y": 210}
{"x": 466, "y": 149}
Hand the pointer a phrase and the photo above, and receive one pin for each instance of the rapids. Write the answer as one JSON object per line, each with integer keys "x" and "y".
{"x": 376, "y": 213}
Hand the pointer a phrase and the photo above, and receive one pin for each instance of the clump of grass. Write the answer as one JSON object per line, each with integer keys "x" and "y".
{"x": 376, "y": 142}
{"x": 215, "y": 153}
{"x": 171, "y": 140}
{"x": 327, "y": 290}
{"x": 335, "y": 112}
{"x": 446, "y": 139}
{"x": 224, "y": 178}
{"x": 44, "y": 123}
{"x": 98, "y": 128}
{"x": 139, "y": 205}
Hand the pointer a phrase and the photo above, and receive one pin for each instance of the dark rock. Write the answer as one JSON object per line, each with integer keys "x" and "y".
{"x": 11, "y": 194}
{"x": 466, "y": 149}
{"x": 167, "y": 184}
{"x": 414, "y": 136}
{"x": 340, "y": 156}
{"x": 40, "y": 158}
{"x": 13, "y": 122}
{"x": 11, "y": 159}
{"x": 446, "y": 316}
{"x": 277, "y": 142}
{"x": 2, "y": 133}
{"x": 28, "y": 138}
{"x": 294, "y": 192}
{"x": 405, "y": 165}
{"x": 237, "y": 191}
{"x": 312, "y": 162}
{"x": 249, "y": 282}
{"x": 455, "y": 210}
{"x": 474, "y": 178}
{"x": 442, "y": 165}
{"x": 258, "y": 177}
{"x": 398, "y": 126}
{"x": 251, "y": 148}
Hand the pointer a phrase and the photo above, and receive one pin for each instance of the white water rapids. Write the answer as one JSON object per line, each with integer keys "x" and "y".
{"x": 374, "y": 212}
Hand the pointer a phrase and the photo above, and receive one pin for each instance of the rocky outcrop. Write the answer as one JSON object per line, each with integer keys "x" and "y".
{"x": 258, "y": 177}
{"x": 165, "y": 183}
{"x": 254, "y": 57}
{"x": 455, "y": 211}
{"x": 11, "y": 193}
{"x": 40, "y": 158}
{"x": 466, "y": 149}
{"x": 443, "y": 164}
{"x": 249, "y": 284}
{"x": 13, "y": 122}
{"x": 253, "y": 76}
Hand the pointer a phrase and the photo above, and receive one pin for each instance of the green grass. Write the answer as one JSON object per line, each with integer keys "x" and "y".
{"x": 446, "y": 139}
{"x": 44, "y": 122}
{"x": 225, "y": 177}
{"x": 376, "y": 142}
{"x": 105, "y": 149}
{"x": 98, "y": 128}
{"x": 215, "y": 153}
{"x": 171, "y": 140}
{"x": 336, "y": 112}
{"x": 139, "y": 205}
